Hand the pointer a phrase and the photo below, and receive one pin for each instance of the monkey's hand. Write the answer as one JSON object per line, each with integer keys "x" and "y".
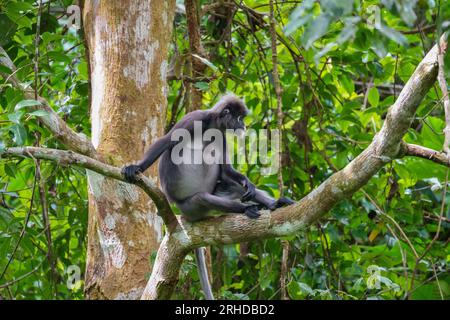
{"x": 252, "y": 212}
{"x": 249, "y": 195}
{"x": 130, "y": 172}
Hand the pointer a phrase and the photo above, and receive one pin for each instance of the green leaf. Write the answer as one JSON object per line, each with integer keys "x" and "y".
{"x": 202, "y": 85}
{"x": 337, "y": 9}
{"x": 10, "y": 170}
{"x": 324, "y": 51}
{"x": 16, "y": 11}
{"x": 429, "y": 291}
{"x": 406, "y": 10}
{"x": 83, "y": 70}
{"x": 19, "y": 7}
{"x": 394, "y": 35}
{"x": 348, "y": 32}
{"x": 15, "y": 117}
{"x": 296, "y": 23}
{"x": 5, "y": 69}
{"x": 378, "y": 46}
{"x": 373, "y": 97}
{"x": 306, "y": 289}
{"x": 264, "y": 281}
{"x": 39, "y": 113}
{"x": 8, "y": 28}
{"x": 299, "y": 16}
{"x": 27, "y": 103}
{"x": 316, "y": 29}
{"x": 59, "y": 57}
{"x": 20, "y": 134}
{"x": 347, "y": 83}
{"x": 206, "y": 61}
{"x": 48, "y": 37}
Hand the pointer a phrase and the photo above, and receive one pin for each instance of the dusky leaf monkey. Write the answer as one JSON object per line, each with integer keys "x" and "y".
{"x": 202, "y": 189}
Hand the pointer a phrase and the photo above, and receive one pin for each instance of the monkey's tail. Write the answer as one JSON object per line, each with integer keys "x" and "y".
{"x": 203, "y": 273}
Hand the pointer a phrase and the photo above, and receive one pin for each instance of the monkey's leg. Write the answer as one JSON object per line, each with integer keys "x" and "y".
{"x": 264, "y": 199}
{"x": 267, "y": 202}
{"x": 218, "y": 203}
{"x": 234, "y": 191}
{"x": 222, "y": 204}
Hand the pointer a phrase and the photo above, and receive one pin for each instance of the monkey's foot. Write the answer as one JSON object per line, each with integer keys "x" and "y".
{"x": 282, "y": 202}
{"x": 252, "y": 212}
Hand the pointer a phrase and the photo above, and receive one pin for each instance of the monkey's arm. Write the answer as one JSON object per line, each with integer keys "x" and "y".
{"x": 152, "y": 154}
{"x": 162, "y": 144}
{"x": 228, "y": 174}
{"x": 155, "y": 151}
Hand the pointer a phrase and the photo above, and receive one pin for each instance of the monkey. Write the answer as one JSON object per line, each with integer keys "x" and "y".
{"x": 200, "y": 190}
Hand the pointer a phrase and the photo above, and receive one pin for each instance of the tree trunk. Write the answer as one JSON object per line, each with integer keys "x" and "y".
{"x": 196, "y": 67}
{"x": 128, "y": 45}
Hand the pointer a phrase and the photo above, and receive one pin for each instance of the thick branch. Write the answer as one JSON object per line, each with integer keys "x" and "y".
{"x": 426, "y": 153}
{"x": 66, "y": 158}
{"x": 74, "y": 141}
{"x": 285, "y": 221}
{"x": 165, "y": 269}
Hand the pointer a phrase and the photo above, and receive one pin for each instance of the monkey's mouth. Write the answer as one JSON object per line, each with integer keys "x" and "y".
{"x": 239, "y": 132}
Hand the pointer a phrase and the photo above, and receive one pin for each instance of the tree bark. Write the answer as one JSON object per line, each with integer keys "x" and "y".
{"x": 128, "y": 45}
{"x": 197, "y": 67}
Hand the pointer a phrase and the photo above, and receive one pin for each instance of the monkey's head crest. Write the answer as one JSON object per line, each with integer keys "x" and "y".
{"x": 233, "y": 102}
{"x": 230, "y": 112}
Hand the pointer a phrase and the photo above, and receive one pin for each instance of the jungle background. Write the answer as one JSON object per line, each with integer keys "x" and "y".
{"x": 341, "y": 64}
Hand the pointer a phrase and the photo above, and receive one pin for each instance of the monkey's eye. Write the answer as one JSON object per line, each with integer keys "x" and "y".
{"x": 226, "y": 111}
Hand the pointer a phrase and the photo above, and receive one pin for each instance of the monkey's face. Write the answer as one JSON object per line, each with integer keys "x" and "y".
{"x": 230, "y": 119}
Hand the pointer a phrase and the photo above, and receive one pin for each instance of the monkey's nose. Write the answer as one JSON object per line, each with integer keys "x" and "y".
{"x": 240, "y": 126}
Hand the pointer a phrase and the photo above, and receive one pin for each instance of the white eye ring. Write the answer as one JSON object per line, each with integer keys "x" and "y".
{"x": 239, "y": 118}
{"x": 226, "y": 111}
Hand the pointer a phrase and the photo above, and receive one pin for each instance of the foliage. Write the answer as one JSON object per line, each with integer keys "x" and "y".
{"x": 341, "y": 64}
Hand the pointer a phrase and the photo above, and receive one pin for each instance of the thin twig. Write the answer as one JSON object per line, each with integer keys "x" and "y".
{"x": 384, "y": 214}
{"x": 10, "y": 283}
